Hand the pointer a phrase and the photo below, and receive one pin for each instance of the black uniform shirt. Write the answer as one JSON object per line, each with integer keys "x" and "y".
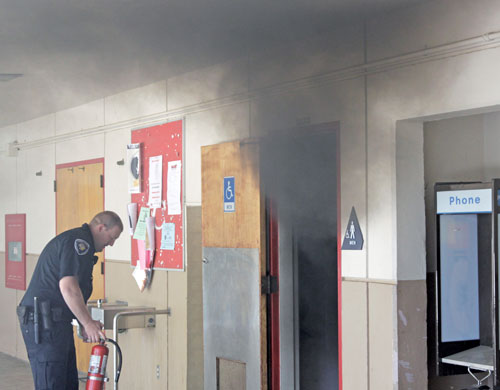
{"x": 71, "y": 253}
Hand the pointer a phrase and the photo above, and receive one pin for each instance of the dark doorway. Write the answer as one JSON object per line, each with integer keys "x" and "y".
{"x": 300, "y": 174}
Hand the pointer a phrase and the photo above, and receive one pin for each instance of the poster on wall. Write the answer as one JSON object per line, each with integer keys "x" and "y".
{"x": 15, "y": 251}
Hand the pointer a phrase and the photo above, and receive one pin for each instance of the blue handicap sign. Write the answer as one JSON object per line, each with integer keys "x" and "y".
{"x": 229, "y": 194}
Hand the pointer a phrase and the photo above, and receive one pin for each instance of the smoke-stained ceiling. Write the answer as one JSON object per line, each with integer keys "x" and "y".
{"x": 57, "y": 54}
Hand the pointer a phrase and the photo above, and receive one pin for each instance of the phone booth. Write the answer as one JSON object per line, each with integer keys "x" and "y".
{"x": 464, "y": 326}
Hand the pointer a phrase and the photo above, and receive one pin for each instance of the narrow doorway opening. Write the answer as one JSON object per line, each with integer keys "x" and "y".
{"x": 461, "y": 155}
{"x": 300, "y": 177}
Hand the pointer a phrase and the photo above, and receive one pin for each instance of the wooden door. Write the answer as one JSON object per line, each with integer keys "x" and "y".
{"x": 234, "y": 243}
{"x": 80, "y": 196}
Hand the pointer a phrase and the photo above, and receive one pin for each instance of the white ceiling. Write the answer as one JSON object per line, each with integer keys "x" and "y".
{"x": 75, "y": 51}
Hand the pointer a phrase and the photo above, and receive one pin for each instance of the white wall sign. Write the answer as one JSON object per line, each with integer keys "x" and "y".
{"x": 463, "y": 201}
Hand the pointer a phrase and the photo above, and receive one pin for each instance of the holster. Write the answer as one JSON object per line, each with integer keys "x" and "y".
{"x": 46, "y": 315}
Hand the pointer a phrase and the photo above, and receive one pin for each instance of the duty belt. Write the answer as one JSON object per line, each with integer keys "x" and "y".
{"x": 47, "y": 314}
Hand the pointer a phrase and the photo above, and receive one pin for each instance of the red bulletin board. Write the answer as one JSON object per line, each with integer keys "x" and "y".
{"x": 165, "y": 140}
{"x": 15, "y": 251}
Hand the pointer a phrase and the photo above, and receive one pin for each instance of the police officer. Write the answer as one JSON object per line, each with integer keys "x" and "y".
{"x": 59, "y": 289}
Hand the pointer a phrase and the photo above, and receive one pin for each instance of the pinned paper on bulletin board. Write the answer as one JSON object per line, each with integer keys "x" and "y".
{"x": 155, "y": 179}
{"x": 174, "y": 188}
{"x": 132, "y": 217}
{"x": 140, "y": 228}
{"x": 168, "y": 236}
{"x": 161, "y": 152}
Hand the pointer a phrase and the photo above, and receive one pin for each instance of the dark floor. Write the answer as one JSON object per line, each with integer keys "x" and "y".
{"x": 15, "y": 374}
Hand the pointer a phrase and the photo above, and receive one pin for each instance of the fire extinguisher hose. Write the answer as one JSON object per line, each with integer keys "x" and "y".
{"x": 120, "y": 358}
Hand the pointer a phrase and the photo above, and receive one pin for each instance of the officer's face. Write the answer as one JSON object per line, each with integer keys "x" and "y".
{"x": 106, "y": 237}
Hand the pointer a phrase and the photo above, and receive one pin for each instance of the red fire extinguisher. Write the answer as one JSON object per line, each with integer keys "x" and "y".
{"x": 96, "y": 376}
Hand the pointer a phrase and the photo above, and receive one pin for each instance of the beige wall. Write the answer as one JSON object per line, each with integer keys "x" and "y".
{"x": 11, "y": 340}
{"x": 412, "y": 334}
{"x": 355, "y": 361}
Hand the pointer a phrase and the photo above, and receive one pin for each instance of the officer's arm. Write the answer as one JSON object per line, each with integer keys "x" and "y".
{"x": 73, "y": 297}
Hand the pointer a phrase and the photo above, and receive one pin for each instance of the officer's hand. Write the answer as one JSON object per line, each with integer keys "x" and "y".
{"x": 83, "y": 333}
{"x": 94, "y": 332}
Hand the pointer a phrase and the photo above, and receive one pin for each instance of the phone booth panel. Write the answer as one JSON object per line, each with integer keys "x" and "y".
{"x": 465, "y": 326}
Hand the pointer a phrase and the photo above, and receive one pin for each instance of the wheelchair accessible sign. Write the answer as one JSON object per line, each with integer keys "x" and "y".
{"x": 229, "y": 194}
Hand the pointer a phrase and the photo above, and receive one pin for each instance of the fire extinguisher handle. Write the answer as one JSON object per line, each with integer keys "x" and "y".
{"x": 120, "y": 358}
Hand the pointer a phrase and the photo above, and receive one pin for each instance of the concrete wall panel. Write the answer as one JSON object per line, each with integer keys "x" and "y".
{"x": 382, "y": 336}
{"x": 455, "y": 86}
{"x": 7, "y": 134}
{"x": 176, "y": 358}
{"x": 86, "y": 116}
{"x": 8, "y": 204}
{"x": 319, "y": 54}
{"x": 35, "y": 195}
{"x": 354, "y": 335}
{"x": 207, "y": 84}
{"x": 412, "y": 334}
{"x": 11, "y": 340}
{"x": 135, "y": 103}
{"x": 381, "y": 197}
{"x": 144, "y": 349}
{"x": 434, "y": 23}
{"x": 454, "y": 150}
{"x": 36, "y": 129}
{"x": 9, "y": 321}
{"x": 116, "y": 196}
{"x": 410, "y": 201}
{"x": 80, "y": 149}
{"x": 491, "y": 162}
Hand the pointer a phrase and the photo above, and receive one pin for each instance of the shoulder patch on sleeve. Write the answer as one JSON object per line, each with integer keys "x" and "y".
{"x": 81, "y": 246}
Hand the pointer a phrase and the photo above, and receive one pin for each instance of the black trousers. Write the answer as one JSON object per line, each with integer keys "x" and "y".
{"x": 53, "y": 361}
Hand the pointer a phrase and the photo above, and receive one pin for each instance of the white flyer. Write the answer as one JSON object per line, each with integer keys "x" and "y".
{"x": 174, "y": 187}
{"x": 155, "y": 182}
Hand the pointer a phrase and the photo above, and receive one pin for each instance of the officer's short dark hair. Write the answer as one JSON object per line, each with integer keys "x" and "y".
{"x": 108, "y": 218}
